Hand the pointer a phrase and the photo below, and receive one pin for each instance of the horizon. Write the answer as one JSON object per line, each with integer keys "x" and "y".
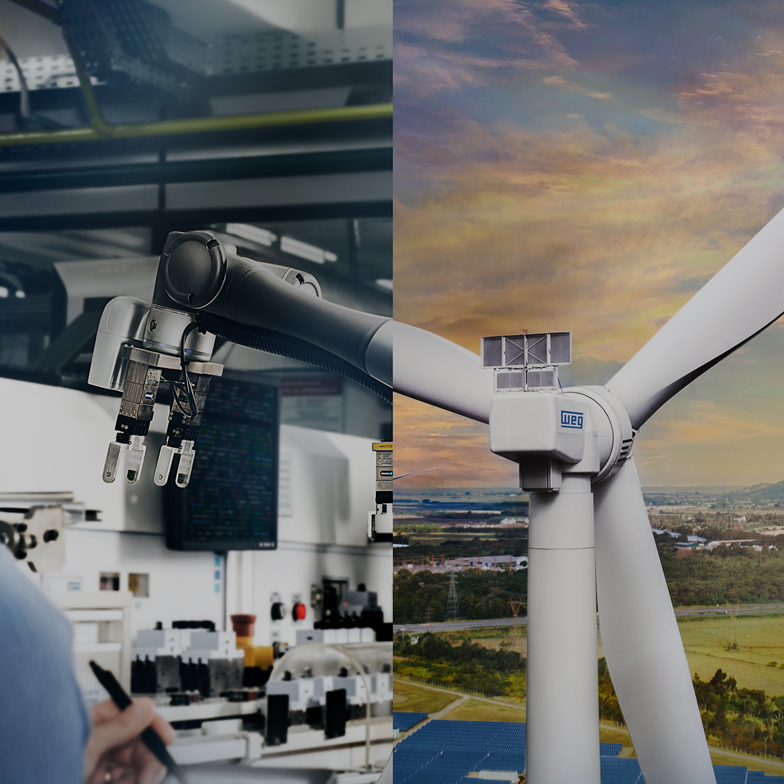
{"x": 511, "y": 490}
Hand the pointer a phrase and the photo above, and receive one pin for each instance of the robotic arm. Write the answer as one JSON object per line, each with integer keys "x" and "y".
{"x": 204, "y": 288}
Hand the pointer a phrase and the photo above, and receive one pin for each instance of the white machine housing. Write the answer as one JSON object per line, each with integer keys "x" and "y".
{"x": 326, "y": 488}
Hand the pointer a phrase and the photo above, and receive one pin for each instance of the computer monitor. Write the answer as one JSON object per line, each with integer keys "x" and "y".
{"x": 231, "y": 502}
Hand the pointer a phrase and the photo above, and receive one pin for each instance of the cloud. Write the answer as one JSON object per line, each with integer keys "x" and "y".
{"x": 597, "y": 233}
{"x": 711, "y": 425}
{"x": 443, "y": 45}
{"x": 743, "y": 94}
{"x": 458, "y": 449}
{"x": 567, "y": 10}
{"x": 577, "y": 89}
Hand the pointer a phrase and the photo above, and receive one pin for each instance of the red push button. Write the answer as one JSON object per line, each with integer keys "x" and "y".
{"x": 300, "y": 611}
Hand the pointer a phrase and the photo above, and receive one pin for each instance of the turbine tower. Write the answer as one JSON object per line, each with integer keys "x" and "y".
{"x": 589, "y": 537}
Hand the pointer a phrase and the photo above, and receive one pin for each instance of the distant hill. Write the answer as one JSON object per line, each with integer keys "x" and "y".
{"x": 686, "y": 496}
{"x": 758, "y": 494}
{"x": 766, "y": 494}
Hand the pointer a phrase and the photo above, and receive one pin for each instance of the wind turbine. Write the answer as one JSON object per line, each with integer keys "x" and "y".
{"x": 590, "y": 539}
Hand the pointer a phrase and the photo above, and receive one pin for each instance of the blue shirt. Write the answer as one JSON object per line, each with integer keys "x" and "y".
{"x": 43, "y": 721}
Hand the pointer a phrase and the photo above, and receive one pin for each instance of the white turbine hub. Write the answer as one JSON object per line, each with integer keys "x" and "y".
{"x": 614, "y": 430}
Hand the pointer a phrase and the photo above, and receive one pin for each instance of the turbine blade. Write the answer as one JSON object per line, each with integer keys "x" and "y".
{"x": 436, "y": 371}
{"x": 641, "y": 640}
{"x": 735, "y": 305}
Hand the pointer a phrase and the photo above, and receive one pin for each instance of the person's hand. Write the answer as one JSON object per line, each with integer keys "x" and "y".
{"x": 115, "y": 752}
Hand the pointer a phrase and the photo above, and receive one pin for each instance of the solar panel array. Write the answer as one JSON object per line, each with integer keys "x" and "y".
{"x": 405, "y": 721}
{"x": 729, "y": 774}
{"x": 758, "y": 777}
{"x": 621, "y": 771}
{"x": 444, "y": 752}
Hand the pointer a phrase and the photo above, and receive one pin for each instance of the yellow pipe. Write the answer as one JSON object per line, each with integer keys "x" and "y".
{"x": 199, "y": 125}
{"x": 93, "y": 111}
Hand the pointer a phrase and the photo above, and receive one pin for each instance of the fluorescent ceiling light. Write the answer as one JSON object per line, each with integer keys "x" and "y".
{"x": 384, "y": 283}
{"x": 252, "y": 233}
{"x": 305, "y": 251}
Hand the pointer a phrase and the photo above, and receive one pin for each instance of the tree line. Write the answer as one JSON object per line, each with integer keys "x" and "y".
{"x": 467, "y": 666}
{"x": 745, "y": 718}
{"x": 726, "y": 575}
{"x": 481, "y": 595}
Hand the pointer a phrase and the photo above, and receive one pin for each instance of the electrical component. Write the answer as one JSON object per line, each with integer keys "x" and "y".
{"x": 258, "y": 658}
{"x": 187, "y": 658}
{"x": 380, "y": 521}
{"x": 33, "y": 525}
{"x": 324, "y": 685}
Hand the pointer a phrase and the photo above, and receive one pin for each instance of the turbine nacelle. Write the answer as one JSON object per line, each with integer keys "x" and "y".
{"x": 547, "y": 430}
{"x": 548, "y": 434}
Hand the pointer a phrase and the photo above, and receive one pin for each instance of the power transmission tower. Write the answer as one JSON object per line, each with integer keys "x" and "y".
{"x": 732, "y": 642}
{"x": 452, "y": 604}
{"x": 516, "y": 607}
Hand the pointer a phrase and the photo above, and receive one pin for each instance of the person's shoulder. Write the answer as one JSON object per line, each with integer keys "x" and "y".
{"x": 39, "y": 696}
{"x": 29, "y": 622}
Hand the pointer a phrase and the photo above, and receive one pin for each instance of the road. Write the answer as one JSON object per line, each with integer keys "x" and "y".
{"x": 452, "y": 626}
{"x": 683, "y": 612}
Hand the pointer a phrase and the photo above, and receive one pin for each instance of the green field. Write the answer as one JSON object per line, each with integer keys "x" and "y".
{"x": 479, "y": 710}
{"x": 760, "y": 641}
{"x": 513, "y": 643}
{"x": 490, "y": 636}
{"x": 410, "y": 698}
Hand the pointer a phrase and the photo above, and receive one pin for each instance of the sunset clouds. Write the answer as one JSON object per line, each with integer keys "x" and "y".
{"x": 564, "y": 165}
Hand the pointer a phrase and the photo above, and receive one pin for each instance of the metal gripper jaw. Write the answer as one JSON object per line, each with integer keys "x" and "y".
{"x": 144, "y": 373}
{"x": 140, "y": 388}
{"x": 139, "y": 345}
{"x": 187, "y": 406}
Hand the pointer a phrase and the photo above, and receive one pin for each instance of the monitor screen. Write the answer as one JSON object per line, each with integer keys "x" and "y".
{"x": 231, "y": 502}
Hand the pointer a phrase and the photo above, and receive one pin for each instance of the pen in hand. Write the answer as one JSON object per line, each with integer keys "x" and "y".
{"x": 151, "y": 738}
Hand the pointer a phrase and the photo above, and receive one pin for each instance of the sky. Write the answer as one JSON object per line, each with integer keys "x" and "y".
{"x": 562, "y": 165}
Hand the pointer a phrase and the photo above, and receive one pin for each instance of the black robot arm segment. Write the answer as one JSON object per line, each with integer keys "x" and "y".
{"x": 198, "y": 273}
{"x": 273, "y": 342}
